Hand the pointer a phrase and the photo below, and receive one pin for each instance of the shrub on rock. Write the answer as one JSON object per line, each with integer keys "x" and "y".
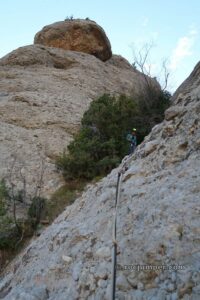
{"x": 101, "y": 142}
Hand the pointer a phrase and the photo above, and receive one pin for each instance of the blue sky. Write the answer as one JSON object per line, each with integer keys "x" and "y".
{"x": 172, "y": 26}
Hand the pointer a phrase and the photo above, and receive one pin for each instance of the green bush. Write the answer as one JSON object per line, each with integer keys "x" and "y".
{"x": 2, "y": 208}
{"x": 101, "y": 142}
{"x": 3, "y": 196}
{"x": 36, "y": 210}
{"x": 9, "y": 234}
{"x": 69, "y": 18}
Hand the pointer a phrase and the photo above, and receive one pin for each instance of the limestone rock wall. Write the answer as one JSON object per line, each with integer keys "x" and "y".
{"x": 158, "y": 224}
{"x": 44, "y": 92}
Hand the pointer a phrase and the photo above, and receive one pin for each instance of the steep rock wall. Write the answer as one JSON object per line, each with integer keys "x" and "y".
{"x": 44, "y": 93}
{"x": 158, "y": 224}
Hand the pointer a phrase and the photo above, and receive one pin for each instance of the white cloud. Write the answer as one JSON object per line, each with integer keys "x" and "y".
{"x": 183, "y": 49}
{"x": 193, "y": 32}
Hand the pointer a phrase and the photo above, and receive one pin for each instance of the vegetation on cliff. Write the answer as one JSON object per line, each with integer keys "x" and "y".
{"x": 101, "y": 142}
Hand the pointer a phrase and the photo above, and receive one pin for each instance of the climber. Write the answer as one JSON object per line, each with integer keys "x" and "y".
{"x": 132, "y": 138}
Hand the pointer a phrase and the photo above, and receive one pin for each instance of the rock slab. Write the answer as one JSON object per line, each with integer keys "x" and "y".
{"x": 158, "y": 221}
{"x": 44, "y": 93}
{"x": 76, "y": 35}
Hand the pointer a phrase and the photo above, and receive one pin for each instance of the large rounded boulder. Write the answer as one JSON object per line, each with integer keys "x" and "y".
{"x": 76, "y": 35}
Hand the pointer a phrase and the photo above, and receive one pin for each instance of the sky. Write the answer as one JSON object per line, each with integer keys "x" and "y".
{"x": 172, "y": 27}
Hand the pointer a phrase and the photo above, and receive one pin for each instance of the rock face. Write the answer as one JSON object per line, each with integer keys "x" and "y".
{"x": 157, "y": 227}
{"x": 44, "y": 93}
{"x": 76, "y": 35}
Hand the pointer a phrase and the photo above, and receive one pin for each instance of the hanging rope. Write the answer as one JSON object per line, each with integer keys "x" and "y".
{"x": 114, "y": 237}
{"x": 114, "y": 253}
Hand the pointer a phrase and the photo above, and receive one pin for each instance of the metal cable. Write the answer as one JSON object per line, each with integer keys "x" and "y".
{"x": 114, "y": 252}
{"x": 126, "y": 162}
